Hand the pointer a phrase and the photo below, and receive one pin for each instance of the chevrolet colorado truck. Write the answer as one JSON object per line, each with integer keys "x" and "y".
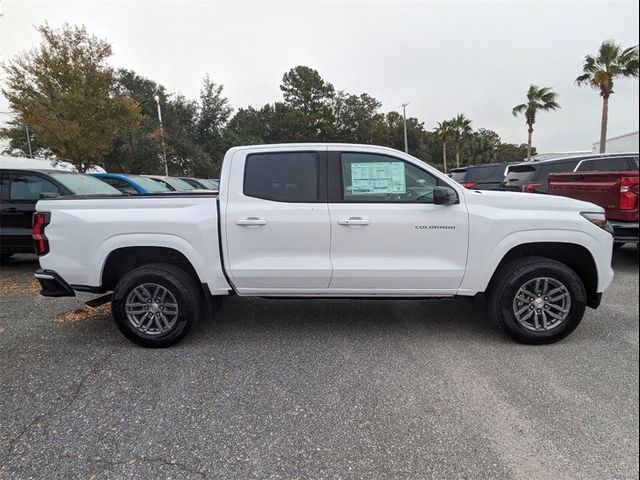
{"x": 327, "y": 220}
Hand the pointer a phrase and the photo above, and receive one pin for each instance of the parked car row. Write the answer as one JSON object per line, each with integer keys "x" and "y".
{"x": 22, "y": 185}
{"x": 607, "y": 180}
{"x": 148, "y": 184}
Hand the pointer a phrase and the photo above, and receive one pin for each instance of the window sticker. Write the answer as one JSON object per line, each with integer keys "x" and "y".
{"x": 377, "y": 177}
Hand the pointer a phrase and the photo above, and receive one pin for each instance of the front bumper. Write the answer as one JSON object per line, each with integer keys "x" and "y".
{"x": 53, "y": 285}
{"x": 624, "y": 232}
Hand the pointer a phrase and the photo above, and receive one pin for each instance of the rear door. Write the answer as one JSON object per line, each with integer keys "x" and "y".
{"x": 387, "y": 235}
{"x": 24, "y": 190}
{"x": 277, "y": 222}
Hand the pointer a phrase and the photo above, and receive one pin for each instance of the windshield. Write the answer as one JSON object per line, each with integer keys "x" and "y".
{"x": 178, "y": 184}
{"x": 81, "y": 184}
{"x": 212, "y": 184}
{"x": 148, "y": 184}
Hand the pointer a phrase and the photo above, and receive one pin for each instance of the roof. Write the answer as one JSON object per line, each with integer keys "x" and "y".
{"x": 591, "y": 156}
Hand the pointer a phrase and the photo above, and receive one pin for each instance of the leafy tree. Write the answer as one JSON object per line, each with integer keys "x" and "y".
{"x": 444, "y": 133}
{"x": 460, "y": 128}
{"x": 538, "y": 99}
{"x": 213, "y": 115}
{"x": 64, "y": 91}
{"x": 510, "y": 152}
{"x": 305, "y": 91}
{"x": 357, "y": 118}
{"x": 599, "y": 72}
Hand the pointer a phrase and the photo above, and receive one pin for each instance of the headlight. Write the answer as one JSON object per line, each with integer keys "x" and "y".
{"x": 599, "y": 219}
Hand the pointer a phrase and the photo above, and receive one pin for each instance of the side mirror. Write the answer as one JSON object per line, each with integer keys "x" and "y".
{"x": 444, "y": 196}
{"x": 46, "y": 195}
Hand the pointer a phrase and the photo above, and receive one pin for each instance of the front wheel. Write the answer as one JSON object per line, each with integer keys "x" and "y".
{"x": 155, "y": 305}
{"x": 536, "y": 300}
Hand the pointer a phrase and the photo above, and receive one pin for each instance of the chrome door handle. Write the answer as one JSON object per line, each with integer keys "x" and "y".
{"x": 353, "y": 221}
{"x": 251, "y": 222}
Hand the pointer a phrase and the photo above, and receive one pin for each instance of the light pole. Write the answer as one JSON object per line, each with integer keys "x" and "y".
{"x": 26, "y": 127}
{"x": 164, "y": 150}
{"x": 404, "y": 119}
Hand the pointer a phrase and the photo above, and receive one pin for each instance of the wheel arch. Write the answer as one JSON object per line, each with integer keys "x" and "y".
{"x": 124, "y": 259}
{"x": 574, "y": 256}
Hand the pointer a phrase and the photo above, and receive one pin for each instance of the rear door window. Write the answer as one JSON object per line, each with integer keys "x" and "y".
{"x": 29, "y": 187}
{"x": 282, "y": 177}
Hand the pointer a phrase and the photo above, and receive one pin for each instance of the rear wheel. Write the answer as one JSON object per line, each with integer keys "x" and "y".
{"x": 155, "y": 305}
{"x": 537, "y": 300}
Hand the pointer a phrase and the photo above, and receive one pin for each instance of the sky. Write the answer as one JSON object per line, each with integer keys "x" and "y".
{"x": 444, "y": 58}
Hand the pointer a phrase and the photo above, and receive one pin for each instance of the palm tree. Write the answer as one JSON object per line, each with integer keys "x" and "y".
{"x": 601, "y": 69}
{"x": 460, "y": 128}
{"x": 443, "y": 132}
{"x": 538, "y": 99}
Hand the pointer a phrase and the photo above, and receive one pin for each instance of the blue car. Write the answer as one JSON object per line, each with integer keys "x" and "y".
{"x": 132, "y": 184}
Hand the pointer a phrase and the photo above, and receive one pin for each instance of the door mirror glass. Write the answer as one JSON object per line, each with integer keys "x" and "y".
{"x": 443, "y": 195}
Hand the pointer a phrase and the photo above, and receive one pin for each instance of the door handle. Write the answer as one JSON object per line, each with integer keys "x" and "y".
{"x": 353, "y": 221}
{"x": 251, "y": 222}
{"x": 10, "y": 210}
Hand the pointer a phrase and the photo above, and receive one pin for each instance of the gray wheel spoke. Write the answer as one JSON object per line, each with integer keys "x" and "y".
{"x": 551, "y": 302}
{"x": 152, "y": 309}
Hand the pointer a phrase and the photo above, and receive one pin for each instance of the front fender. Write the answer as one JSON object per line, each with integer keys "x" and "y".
{"x": 481, "y": 265}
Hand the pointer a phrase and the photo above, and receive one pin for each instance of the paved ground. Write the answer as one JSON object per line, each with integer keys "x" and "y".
{"x": 318, "y": 390}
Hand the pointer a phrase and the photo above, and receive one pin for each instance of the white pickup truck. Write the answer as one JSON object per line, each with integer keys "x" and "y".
{"x": 327, "y": 220}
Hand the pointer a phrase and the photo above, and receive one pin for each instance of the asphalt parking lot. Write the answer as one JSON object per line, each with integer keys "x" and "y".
{"x": 317, "y": 389}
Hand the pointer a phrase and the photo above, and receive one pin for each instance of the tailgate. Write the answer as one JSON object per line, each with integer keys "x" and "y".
{"x": 603, "y": 189}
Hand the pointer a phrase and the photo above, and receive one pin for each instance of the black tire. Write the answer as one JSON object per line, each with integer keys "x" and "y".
{"x": 517, "y": 273}
{"x": 4, "y": 257}
{"x": 178, "y": 282}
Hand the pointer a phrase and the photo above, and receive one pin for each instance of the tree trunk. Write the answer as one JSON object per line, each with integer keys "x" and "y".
{"x": 444, "y": 156}
{"x": 603, "y": 123}
{"x": 529, "y": 143}
{"x": 457, "y": 154}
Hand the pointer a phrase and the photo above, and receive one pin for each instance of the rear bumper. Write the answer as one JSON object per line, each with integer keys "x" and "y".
{"x": 53, "y": 285}
{"x": 624, "y": 232}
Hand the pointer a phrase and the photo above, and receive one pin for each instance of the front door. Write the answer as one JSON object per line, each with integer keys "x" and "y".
{"x": 277, "y": 223}
{"x": 387, "y": 235}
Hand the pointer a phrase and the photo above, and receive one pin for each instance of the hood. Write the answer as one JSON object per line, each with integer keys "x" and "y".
{"x": 528, "y": 201}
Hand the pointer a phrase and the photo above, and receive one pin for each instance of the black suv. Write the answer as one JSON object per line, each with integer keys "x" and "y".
{"x": 488, "y": 176}
{"x": 532, "y": 176}
{"x": 21, "y": 189}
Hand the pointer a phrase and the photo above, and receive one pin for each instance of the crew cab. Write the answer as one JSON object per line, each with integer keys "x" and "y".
{"x": 327, "y": 220}
{"x": 615, "y": 191}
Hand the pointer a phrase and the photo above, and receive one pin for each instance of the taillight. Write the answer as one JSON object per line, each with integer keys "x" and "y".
{"x": 628, "y": 194}
{"x": 40, "y": 242}
{"x": 531, "y": 187}
{"x": 469, "y": 184}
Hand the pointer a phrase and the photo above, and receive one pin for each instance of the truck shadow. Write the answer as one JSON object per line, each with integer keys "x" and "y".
{"x": 358, "y": 320}
{"x": 625, "y": 259}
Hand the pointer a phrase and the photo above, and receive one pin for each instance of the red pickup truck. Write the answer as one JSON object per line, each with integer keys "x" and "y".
{"x": 616, "y": 192}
